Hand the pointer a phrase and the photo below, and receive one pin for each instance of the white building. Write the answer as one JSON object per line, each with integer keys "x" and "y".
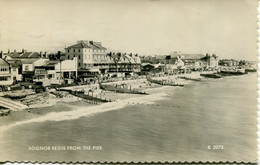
{"x": 5, "y": 73}
{"x": 56, "y": 72}
{"x": 88, "y": 53}
{"x": 16, "y": 69}
{"x": 28, "y": 67}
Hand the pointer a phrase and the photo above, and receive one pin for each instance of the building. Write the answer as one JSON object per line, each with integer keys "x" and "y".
{"x": 198, "y": 61}
{"x": 94, "y": 61}
{"x": 211, "y": 61}
{"x": 152, "y": 68}
{"x": 228, "y": 62}
{"x": 87, "y": 52}
{"x": 123, "y": 64}
{"x": 24, "y": 55}
{"x": 56, "y": 72}
{"x": 28, "y": 68}
{"x": 156, "y": 59}
{"x": 91, "y": 58}
{"x": 16, "y": 70}
{"x": 174, "y": 64}
{"x": 5, "y": 73}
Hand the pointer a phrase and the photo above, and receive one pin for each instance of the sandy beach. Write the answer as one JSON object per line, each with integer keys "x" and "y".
{"x": 43, "y": 102}
{"x": 51, "y": 96}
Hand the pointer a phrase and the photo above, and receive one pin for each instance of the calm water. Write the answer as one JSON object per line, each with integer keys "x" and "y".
{"x": 173, "y": 123}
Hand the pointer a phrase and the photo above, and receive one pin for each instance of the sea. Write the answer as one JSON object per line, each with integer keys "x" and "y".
{"x": 212, "y": 120}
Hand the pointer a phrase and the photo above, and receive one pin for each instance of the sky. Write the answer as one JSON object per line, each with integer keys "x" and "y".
{"x": 227, "y": 28}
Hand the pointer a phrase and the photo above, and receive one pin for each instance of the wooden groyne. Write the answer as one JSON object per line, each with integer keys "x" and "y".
{"x": 90, "y": 98}
{"x": 120, "y": 90}
{"x": 250, "y": 70}
{"x": 164, "y": 82}
{"x": 189, "y": 78}
{"x": 231, "y": 73}
{"x": 211, "y": 75}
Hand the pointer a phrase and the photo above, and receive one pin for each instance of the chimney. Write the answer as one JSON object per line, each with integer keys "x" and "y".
{"x": 98, "y": 43}
{"x": 45, "y": 54}
{"x": 59, "y": 55}
{"x": 83, "y": 41}
{"x": 8, "y": 51}
{"x": 41, "y": 54}
{"x": 1, "y": 54}
{"x": 14, "y": 50}
{"x": 23, "y": 50}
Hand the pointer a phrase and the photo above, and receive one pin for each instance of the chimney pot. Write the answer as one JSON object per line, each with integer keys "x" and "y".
{"x": 45, "y": 54}
{"x": 14, "y": 50}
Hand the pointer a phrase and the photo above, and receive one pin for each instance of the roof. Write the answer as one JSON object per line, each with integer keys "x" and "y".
{"x": 146, "y": 63}
{"x": 52, "y": 63}
{"x": 161, "y": 57}
{"x": 16, "y": 54}
{"x": 79, "y": 45}
{"x": 93, "y": 45}
{"x": 98, "y": 46}
{"x": 28, "y": 61}
{"x": 3, "y": 62}
{"x": 23, "y": 55}
{"x": 190, "y": 56}
{"x": 15, "y": 63}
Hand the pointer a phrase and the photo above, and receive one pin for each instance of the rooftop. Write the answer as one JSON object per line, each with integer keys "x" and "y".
{"x": 3, "y": 62}
{"x": 188, "y": 56}
{"x": 23, "y": 55}
{"x": 87, "y": 44}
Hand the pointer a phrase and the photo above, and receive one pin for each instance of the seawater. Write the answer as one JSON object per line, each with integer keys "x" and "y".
{"x": 170, "y": 124}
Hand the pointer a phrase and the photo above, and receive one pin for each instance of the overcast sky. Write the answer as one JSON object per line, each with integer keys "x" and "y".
{"x": 225, "y": 27}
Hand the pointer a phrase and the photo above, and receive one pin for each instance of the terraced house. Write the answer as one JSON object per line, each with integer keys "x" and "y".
{"x": 24, "y": 55}
{"x": 124, "y": 64}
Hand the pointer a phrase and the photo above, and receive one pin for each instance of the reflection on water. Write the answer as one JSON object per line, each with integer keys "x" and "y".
{"x": 186, "y": 122}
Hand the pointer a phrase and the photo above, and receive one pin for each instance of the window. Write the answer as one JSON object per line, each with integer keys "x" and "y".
{"x": 79, "y": 57}
{"x": 26, "y": 68}
{"x": 3, "y": 78}
{"x": 68, "y": 56}
{"x": 74, "y": 50}
{"x": 79, "y": 64}
{"x": 68, "y": 50}
{"x": 79, "y": 50}
{"x": 14, "y": 69}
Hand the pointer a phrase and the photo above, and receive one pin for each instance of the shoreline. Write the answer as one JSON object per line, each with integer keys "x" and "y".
{"x": 68, "y": 104}
{"x": 52, "y": 97}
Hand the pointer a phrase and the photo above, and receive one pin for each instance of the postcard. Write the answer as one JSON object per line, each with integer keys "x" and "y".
{"x": 128, "y": 81}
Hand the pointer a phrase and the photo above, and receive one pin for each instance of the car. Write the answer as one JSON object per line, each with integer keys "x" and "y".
{"x": 38, "y": 87}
